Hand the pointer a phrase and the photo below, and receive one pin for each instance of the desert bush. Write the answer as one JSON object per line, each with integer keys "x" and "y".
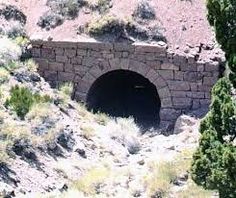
{"x": 89, "y": 182}
{"x": 12, "y": 12}
{"x": 50, "y": 20}
{"x": 103, "y": 5}
{"x": 66, "y": 8}
{"x": 107, "y": 24}
{"x": 120, "y": 28}
{"x": 9, "y": 51}
{"x": 31, "y": 65}
{"x": 66, "y": 89}
{"x": 192, "y": 190}
{"x": 4, "y": 75}
{"x": 21, "y": 100}
{"x": 15, "y": 30}
{"x": 144, "y": 11}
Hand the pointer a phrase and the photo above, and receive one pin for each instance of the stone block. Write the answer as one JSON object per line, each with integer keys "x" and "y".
{"x": 65, "y": 76}
{"x": 194, "y": 86}
{"x": 179, "y": 59}
{"x": 166, "y": 74}
{"x": 204, "y": 88}
{"x": 115, "y": 63}
{"x": 118, "y": 54}
{"x": 196, "y": 104}
{"x": 108, "y": 55}
{"x": 96, "y": 71}
{"x": 36, "y": 52}
{"x": 68, "y": 67}
{"x": 205, "y": 102}
{"x": 96, "y": 54}
{"x": 83, "y": 86}
{"x": 70, "y": 52}
{"x": 182, "y": 103}
{"x": 89, "y": 78}
{"x": 200, "y": 67}
{"x": 150, "y": 57}
{"x": 59, "y": 51}
{"x": 169, "y": 66}
{"x": 42, "y": 63}
{"x": 80, "y": 96}
{"x": 209, "y": 81}
{"x": 178, "y": 75}
{"x": 54, "y": 66}
{"x": 125, "y": 54}
{"x": 207, "y": 95}
{"x": 212, "y": 66}
{"x": 80, "y": 70}
{"x": 166, "y": 103}
{"x": 62, "y": 59}
{"x": 198, "y": 95}
{"x": 48, "y": 53}
{"x": 76, "y": 60}
{"x": 159, "y": 83}
{"x": 81, "y": 52}
{"x": 50, "y": 75}
{"x": 156, "y": 65}
{"x": 193, "y": 76}
{"x": 89, "y": 61}
{"x": 188, "y": 67}
{"x": 143, "y": 47}
{"x": 123, "y": 47}
{"x": 164, "y": 92}
{"x": 152, "y": 75}
{"x": 178, "y": 85}
{"x": 169, "y": 114}
{"x": 180, "y": 94}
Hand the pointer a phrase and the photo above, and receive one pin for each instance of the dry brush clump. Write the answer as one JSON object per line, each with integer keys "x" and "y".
{"x": 113, "y": 27}
{"x": 14, "y": 23}
{"x": 144, "y": 11}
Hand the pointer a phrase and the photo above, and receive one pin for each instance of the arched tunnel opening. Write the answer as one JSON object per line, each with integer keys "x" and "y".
{"x": 123, "y": 93}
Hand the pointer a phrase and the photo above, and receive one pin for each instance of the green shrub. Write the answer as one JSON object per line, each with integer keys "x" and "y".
{"x": 22, "y": 99}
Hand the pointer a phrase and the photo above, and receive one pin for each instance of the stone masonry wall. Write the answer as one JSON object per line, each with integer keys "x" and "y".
{"x": 183, "y": 82}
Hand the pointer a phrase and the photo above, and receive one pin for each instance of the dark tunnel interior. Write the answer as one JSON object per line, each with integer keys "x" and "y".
{"x": 123, "y": 93}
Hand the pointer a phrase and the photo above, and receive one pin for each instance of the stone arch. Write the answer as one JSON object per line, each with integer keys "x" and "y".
{"x": 84, "y": 84}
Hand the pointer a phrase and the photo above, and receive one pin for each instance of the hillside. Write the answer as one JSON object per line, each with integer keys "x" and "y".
{"x": 52, "y": 146}
{"x": 181, "y": 23}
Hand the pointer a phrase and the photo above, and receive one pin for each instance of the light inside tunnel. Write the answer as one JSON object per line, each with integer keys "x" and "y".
{"x": 123, "y": 93}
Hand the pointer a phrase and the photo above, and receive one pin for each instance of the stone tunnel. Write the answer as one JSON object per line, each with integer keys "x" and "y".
{"x": 145, "y": 81}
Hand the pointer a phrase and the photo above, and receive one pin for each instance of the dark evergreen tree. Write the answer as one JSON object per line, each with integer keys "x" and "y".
{"x": 214, "y": 162}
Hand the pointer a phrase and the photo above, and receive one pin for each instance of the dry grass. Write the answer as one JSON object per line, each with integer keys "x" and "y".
{"x": 162, "y": 174}
{"x": 87, "y": 131}
{"x": 102, "y": 118}
{"x": 160, "y": 178}
{"x": 4, "y": 75}
{"x": 89, "y": 183}
{"x": 66, "y": 90}
{"x": 4, "y": 157}
{"x": 194, "y": 191}
{"x": 31, "y": 65}
{"x": 40, "y": 112}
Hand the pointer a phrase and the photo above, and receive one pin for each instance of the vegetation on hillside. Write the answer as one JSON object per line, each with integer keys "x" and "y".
{"x": 214, "y": 163}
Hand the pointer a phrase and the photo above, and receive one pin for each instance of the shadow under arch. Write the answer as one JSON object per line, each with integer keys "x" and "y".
{"x": 124, "y": 93}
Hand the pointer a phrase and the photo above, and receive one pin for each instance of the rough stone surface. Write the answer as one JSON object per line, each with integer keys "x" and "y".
{"x": 182, "y": 82}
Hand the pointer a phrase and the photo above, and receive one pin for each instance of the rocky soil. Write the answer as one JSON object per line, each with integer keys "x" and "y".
{"x": 62, "y": 150}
